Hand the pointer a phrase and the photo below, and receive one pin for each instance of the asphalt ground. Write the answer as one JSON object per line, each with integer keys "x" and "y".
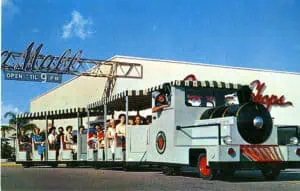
{"x": 43, "y": 178}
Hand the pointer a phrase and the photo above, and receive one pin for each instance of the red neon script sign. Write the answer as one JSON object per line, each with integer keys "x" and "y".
{"x": 267, "y": 100}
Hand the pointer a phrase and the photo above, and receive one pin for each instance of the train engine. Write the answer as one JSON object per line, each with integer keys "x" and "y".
{"x": 247, "y": 139}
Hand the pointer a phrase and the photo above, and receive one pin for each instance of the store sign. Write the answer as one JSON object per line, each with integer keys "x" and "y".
{"x": 267, "y": 100}
{"x": 31, "y": 76}
{"x": 31, "y": 60}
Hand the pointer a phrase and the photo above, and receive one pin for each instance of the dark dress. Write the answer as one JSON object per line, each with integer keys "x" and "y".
{"x": 26, "y": 143}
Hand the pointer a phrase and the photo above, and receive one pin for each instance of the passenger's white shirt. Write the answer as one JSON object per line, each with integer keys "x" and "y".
{"x": 112, "y": 140}
{"x": 69, "y": 138}
{"x": 51, "y": 138}
{"x": 121, "y": 129}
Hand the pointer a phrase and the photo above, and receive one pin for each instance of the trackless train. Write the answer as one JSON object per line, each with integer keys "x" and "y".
{"x": 192, "y": 125}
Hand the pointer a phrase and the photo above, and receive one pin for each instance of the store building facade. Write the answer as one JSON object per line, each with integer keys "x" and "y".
{"x": 277, "y": 90}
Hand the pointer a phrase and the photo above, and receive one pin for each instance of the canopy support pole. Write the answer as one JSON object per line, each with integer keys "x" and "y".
{"x": 126, "y": 109}
{"x": 88, "y": 132}
{"x": 105, "y": 130}
{"x": 46, "y": 140}
{"x": 78, "y": 138}
{"x": 52, "y": 122}
{"x": 17, "y": 141}
{"x": 126, "y": 134}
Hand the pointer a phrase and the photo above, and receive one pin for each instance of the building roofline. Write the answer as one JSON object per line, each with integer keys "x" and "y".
{"x": 204, "y": 64}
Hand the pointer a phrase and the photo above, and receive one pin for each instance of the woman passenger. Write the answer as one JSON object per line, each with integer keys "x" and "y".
{"x": 160, "y": 102}
{"x": 69, "y": 137}
{"x": 100, "y": 136}
{"x": 121, "y": 127}
{"x": 111, "y": 135}
{"x": 25, "y": 143}
{"x": 39, "y": 143}
{"x": 130, "y": 121}
{"x": 121, "y": 130}
{"x": 52, "y": 138}
{"x": 138, "y": 120}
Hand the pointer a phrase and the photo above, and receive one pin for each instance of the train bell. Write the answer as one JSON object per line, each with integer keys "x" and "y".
{"x": 258, "y": 122}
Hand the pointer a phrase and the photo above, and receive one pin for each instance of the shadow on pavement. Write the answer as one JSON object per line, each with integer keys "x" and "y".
{"x": 251, "y": 176}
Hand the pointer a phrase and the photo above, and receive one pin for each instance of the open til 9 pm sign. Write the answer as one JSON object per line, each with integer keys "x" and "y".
{"x": 33, "y": 76}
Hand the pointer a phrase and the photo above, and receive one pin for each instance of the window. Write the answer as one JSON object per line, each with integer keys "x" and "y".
{"x": 205, "y": 97}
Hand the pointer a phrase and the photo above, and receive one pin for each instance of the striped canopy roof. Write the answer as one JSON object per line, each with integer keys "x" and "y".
{"x": 59, "y": 114}
{"x": 141, "y": 99}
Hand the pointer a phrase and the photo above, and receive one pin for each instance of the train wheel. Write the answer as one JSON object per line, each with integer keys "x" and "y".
{"x": 171, "y": 171}
{"x": 26, "y": 165}
{"x": 97, "y": 166}
{"x": 270, "y": 173}
{"x": 54, "y": 165}
{"x": 227, "y": 173}
{"x": 128, "y": 167}
{"x": 204, "y": 171}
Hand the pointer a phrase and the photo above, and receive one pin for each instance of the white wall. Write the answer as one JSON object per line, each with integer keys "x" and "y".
{"x": 76, "y": 93}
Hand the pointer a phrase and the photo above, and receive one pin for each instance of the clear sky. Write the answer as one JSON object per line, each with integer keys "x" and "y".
{"x": 257, "y": 34}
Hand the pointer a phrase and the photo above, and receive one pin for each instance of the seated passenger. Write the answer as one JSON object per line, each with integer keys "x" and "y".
{"x": 160, "y": 102}
{"x": 121, "y": 127}
{"x": 52, "y": 138}
{"x": 81, "y": 130}
{"x": 138, "y": 120}
{"x": 82, "y": 140}
{"x": 100, "y": 136}
{"x": 38, "y": 141}
{"x": 59, "y": 140}
{"x": 93, "y": 141}
{"x": 25, "y": 143}
{"x": 111, "y": 135}
{"x": 149, "y": 119}
{"x": 69, "y": 137}
{"x": 130, "y": 121}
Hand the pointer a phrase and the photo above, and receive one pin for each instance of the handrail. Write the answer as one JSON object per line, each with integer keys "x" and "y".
{"x": 178, "y": 127}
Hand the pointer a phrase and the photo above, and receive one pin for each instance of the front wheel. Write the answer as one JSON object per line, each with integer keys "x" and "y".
{"x": 227, "y": 173}
{"x": 203, "y": 170}
{"x": 270, "y": 173}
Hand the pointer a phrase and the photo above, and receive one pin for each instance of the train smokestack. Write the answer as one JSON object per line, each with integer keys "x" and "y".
{"x": 244, "y": 95}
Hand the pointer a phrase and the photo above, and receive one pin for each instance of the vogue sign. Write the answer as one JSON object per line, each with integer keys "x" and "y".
{"x": 267, "y": 100}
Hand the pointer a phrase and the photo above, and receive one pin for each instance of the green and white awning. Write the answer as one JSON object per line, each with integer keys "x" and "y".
{"x": 59, "y": 114}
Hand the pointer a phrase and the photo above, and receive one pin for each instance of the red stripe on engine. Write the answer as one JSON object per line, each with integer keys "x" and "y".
{"x": 261, "y": 153}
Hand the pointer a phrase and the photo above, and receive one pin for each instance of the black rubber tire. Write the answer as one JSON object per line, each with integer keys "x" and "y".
{"x": 171, "y": 171}
{"x": 270, "y": 173}
{"x": 227, "y": 173}
{"x": 97, "y": 166}
{"x": 213, "y": 173}
{"x": 26, "y": 165}
{"x": 164, "y": 170}
{"x": 128, "y": 167}
{"x": 54, "y": 165}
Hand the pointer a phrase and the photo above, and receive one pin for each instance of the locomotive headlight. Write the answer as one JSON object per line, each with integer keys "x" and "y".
{"x": 294, "y": 141}
{"x": 258, "y": 122}
{"x": 227, "y": 140}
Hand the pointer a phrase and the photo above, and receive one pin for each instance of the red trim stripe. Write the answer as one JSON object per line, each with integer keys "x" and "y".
{"x": 261, "y": 153}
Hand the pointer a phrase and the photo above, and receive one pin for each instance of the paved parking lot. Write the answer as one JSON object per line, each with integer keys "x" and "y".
{"x": 18, "y": 178}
